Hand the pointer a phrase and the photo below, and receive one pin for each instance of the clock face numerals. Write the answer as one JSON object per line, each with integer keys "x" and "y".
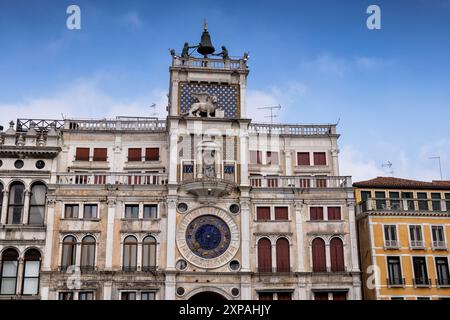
{"x": 208, "y": 236}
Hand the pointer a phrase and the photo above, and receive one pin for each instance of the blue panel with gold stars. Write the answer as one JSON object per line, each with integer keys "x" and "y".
{"x": 227, "y": 97}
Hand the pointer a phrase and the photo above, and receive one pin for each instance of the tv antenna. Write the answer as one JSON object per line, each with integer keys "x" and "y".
{"x": 153, "y": 106}
{"x": 440, "y": 168}
{"x": 272, "y": 116}
{"x": 388, "y": 164}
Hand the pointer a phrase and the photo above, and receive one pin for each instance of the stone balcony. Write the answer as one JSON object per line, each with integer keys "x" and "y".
{"x": 111, "y": 178}
{"x": 301, "y": 182}
{"x": 208, "y": 187}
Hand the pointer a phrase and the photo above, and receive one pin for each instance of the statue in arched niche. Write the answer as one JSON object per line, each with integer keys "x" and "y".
{"x": 209, "y": 163}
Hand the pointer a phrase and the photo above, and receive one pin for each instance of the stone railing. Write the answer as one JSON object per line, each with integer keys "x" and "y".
{"x": 196, "y": 62}
{"x": 127, "y": 124}
{"x": 302, "y": 182}
{"x": 286, "y": 129}
{"x": 111, "y": 178}
{"x": 404, "y": 204}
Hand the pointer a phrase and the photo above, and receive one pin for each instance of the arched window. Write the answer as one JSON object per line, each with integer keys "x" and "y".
{"x": 37, "y": 204}
{"x": 32, "y": 265}
{"x": 15, "y": 204}
{"x": 318, "y": 255}
{"x": 264, "y": 255}
{"x": 130, "y": 253}
{"x": 337, "y": 255}
{"x": 69, "y": 252}
{"x": 149, "y": 253}
{"x": 8, "y": 280}
{"x": 88, "y": 253}
{"x": 283, "y": 259}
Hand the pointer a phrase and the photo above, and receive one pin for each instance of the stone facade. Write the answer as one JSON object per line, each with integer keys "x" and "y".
{"x": 129, "y": 221}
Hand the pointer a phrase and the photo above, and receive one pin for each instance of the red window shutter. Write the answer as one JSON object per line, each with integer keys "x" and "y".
{"x": 100, "y": 154}
{"x": 337, "y": 255}
{"x": 272, "y": 157}
{"x": 316, "y": 213}
{"x": 303, "y": 158}
{"x": 283, "y": 259}
{"x": 320, "y": 295}
{"x": 263, "y": 213}
{"x": 284, "y": 296}
{"x": 152, "y": 154}
{"x": 134, "y": 154}
{"x": 318, "y": 255}
{"x": 320, "y": 159}
{"x": 264, "y": 255}
{"x": 82, "y": 154}
{"x": 334, "y": 213}
{"x": 339, "y": 296}
{"x": 265, "y": 296}
{"x": 321, "y": 183}
{"x": 281, "y": 213}
{"x": 255, "y": 157}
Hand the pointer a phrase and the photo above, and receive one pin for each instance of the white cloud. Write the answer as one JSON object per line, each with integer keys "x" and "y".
{"x": 133, "y": 19}
{"x": 83, "y": 99}
{"x": 417, "y": 166}
{"x": 357, "y": 164}
{"x": 369, "y": 63}
{"x": 327, "y": 64}
{"x": 286, "y": 95}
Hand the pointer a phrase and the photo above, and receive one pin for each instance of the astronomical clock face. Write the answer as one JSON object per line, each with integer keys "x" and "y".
{"x": 208, "y": 237}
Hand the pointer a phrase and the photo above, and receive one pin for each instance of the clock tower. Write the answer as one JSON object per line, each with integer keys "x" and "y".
{"x": 208, "y": 186}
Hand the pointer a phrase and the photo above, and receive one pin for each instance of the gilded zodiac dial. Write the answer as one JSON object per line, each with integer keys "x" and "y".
{"x": 208, "y": 236}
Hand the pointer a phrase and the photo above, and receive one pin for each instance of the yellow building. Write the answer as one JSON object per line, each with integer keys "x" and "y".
{"x": 403, "y": 229}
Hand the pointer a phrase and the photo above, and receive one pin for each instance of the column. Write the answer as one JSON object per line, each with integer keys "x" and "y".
{"x": 243, "y": 142}
{"x": 171, "y": 232}
{"x": 107, "y": 290}
{"x": 44, "y": 293}
{"x": 353, "y": 238}
{"x": 246, "y": 288}
{"x": 19, "y": 276}
{"x": 288, "y": 156}
{"x": 245, "y": 235}
{"x": 173, "y": 156}
{"x": 274, "y": 255}
{"x": 4, "y": 212}
{"x": 111, "y": 205}
{"x": 328, "y": 256}
{"x": 300, "y": 239}
{"x": 26, "y": 207}
{"x": 334, "y": 159}
{"x": 170, "y": 287}
{"x": 48, "y": 254}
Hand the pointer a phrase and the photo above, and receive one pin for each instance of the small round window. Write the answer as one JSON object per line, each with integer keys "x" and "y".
{"x": 235, "y": 265}
{"x": 182, "y": 207}
{"x": 180, "y": 291}
{"x": 18, "y": 164}
{"x": 40, "y": 164}
{"x": 1, "y": 163}
{"x": 235, "y": 292}
{"x": 181, "y": 264}
{"x": 234, "y": 208}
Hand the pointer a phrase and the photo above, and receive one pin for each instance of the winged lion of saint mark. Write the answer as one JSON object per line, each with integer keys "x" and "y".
{"x": 206, "y": 103}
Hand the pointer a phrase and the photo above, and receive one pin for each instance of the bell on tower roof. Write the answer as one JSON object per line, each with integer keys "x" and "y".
{"x": 205, "y": 47}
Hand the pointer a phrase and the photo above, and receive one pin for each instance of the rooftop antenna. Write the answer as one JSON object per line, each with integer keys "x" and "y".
{"x": 440, "y": 168}
{"x": 153, "y": 106}
{"x": 388, "y": 164}
{"x": 272, "y": 116}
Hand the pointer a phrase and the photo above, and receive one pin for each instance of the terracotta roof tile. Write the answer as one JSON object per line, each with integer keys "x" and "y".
{"x": 397, "y": 183}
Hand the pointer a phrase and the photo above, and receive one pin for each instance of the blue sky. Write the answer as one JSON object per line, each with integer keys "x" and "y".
{"x": 389, "y": 88}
